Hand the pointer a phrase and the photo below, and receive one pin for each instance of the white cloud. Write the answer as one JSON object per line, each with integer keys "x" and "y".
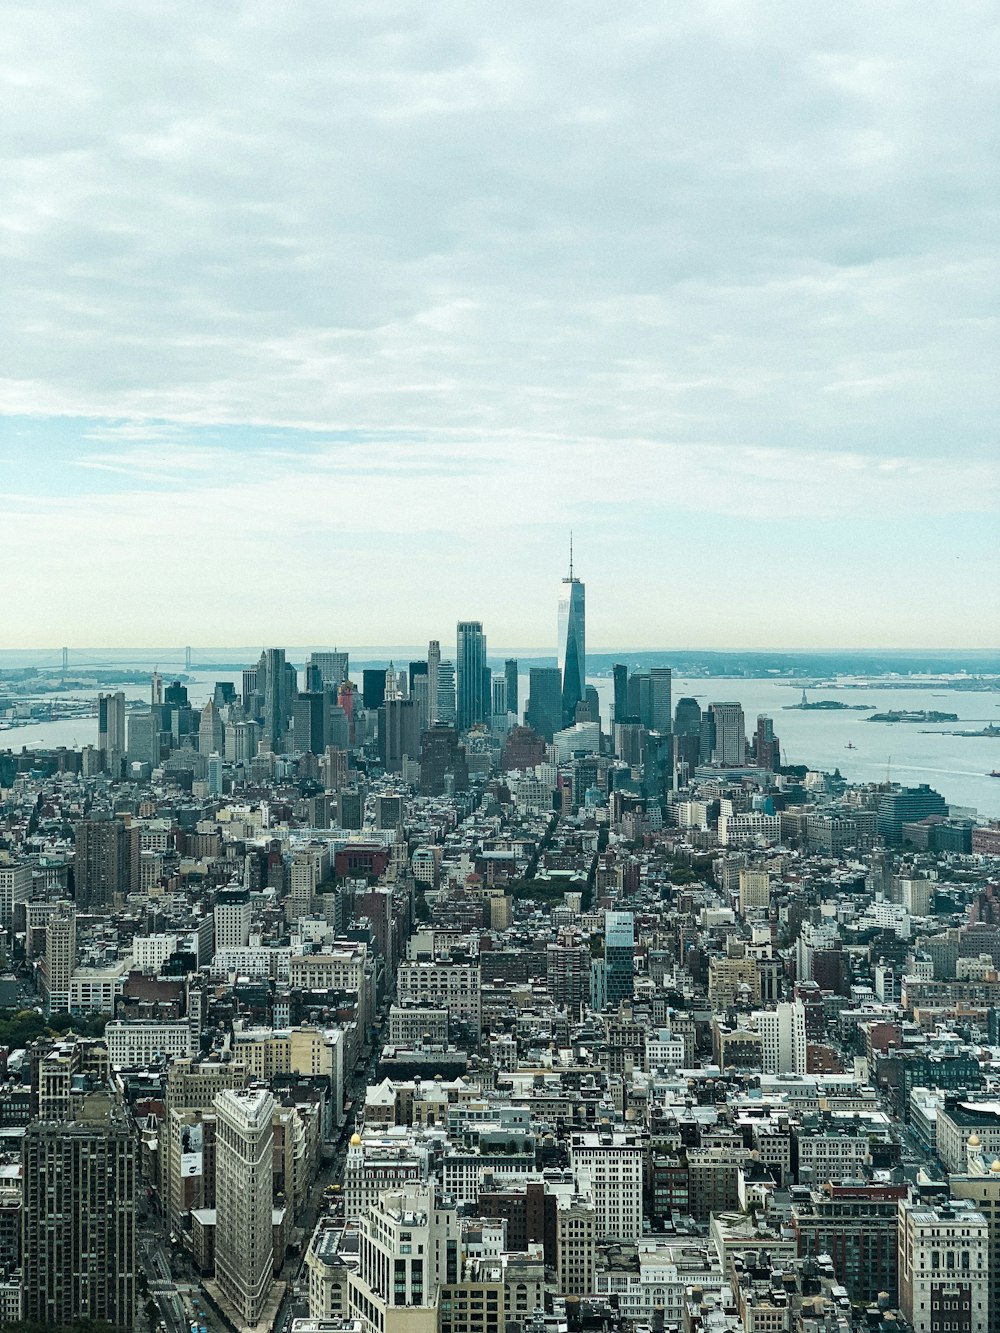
{"x": 703, "y": 259}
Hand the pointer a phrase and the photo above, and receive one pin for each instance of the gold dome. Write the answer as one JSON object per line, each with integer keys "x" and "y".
{"x": 355, "y": 1140}
{"x": 995, "y": 1168}
{"x": 974, "y": 1140}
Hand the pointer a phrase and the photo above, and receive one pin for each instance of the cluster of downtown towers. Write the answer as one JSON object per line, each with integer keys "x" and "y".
{"x": 277, "y": 715}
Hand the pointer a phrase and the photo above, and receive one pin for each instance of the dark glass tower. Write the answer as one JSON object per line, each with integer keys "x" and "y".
{"x": 510, "y": 676}
{"x": 472, "y": 675}
{"x": 571, "y": 643}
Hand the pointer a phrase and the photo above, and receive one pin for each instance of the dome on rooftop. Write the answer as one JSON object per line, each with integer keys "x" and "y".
{"x": 355, "y": 1140}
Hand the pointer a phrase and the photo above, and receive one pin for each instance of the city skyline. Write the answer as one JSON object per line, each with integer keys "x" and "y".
{"x": 710, "y": 286}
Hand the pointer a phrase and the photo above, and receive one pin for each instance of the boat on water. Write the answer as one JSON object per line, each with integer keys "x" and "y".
{"x": 994, "y": 774}
{"x": 850, "y": 746}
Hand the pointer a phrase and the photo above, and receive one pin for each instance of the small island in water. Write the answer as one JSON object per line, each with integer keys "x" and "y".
{"x": 922, "y": 715}
{"x": 826, "y": 706}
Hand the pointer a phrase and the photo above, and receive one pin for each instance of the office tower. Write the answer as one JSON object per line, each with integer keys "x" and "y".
{"x": 571, "y": 643}
{"x": 223, "y": 694}
{"x": 249, "y": 695}
{"x": 609, "y": 1165}
{"x": 498, "y": 690}
{"x": 943, "y": 1267}
{"x": 242, "y": 739}
{"x": 409, "y": 1247}
{"x": 619, "y": 953}
{"x": 338, "y": 728}
{"x": 15, "y": 887}
{"x": 783, "y": 1037}
{"x": 334, "y": 768}
{"x": 389, "y": 811}
{"x": 144, "y": 738}
{"x": 904, "y": 806}
{"x": 420, "y": 693}
{"x": 767, "y": 750}
{"x": 111, "y": 730}
{"x": 373, "y": 688}
{"x": 729, "y": 749}
{"x": 60, "y": 957}
{"x": 156, "y": 689}
{"x": 312, "y": 678}
{"x": 567, "y": 974}
{"x": 215, "y": 774}
{"x": 446, "y": 704}
{"x": 176, "y": 695}
{"x": 544, "y": 711}
{"x": 275, "y": 689}
{"x": 100, "y": 863}
{"x": 419, "y": 690}
{"x": 433, "y": 663}
{"x": 233, "y": 915}
{"x": 211, "y": 733}
{"x": 398, "y": 733}
{"x": 332, "y": 668}
{"x": 347, "y": 699}
{"x": 979, "y": 1183}
{"x": 619, "y": 676}
{"x": 637, "y": 697}
{"x": 510, "y": 675}
{"x": 473, "y": 702}
{"x": 396, "y": 683}
{"x": 687, "y": 718}
{"x": 856, "y": 1223}
{"x": 660, "y": 703}
{"x": 351, "y": 808}
{"x": 311, "y": 721}
{"x": 244, "y": 1153}
{"x": 443, "y": 762}
{"x": 78, "y": 1217}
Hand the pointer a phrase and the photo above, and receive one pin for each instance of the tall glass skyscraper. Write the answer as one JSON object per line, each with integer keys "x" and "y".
{"x": 472, "y": 675}
{"x": 571, "y": 643}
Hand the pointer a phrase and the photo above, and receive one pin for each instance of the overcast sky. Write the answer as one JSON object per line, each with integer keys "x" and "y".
{"x": 325, "y": 323}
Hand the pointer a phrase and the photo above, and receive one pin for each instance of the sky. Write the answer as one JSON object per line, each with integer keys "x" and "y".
{"x": 327, "y": 324}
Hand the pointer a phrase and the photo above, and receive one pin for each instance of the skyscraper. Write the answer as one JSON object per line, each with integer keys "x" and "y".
{"x": 100, "y": 864}
{"x": 433, "y": 663}
{"x": 79, "y": 1217}
{"x": 660, "y": 703}
{"x": 244, "y": 1150}
{"x": 472, "y": 675}
{"x": 445, "y": 693}
{"x": 144, "y": 737}
{"x": 730, "y": 744}
{"x": 111, "y": 730}
{"x": 60, "y": 958}
{"x": 619, "y": 674}
{"x": 410, "y": 1247}
{"x": 373, "y": 687}
{"x": 767, "y": 751}
{"x": 544, "y": 711}
{"x": 571, "y": 643}
{"x": 333, "y": 668}
{"x": 687, "y": 718}
{"x": 211, "y": 732}
{"x": 398, "y": 733}
{"x": 619, "y": 952}
{"x": 274, "y": 686}
{"x": 510, "y": 675}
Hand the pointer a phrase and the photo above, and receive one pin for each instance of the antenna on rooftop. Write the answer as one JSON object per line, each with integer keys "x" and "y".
{"x": 571, "y": 554}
